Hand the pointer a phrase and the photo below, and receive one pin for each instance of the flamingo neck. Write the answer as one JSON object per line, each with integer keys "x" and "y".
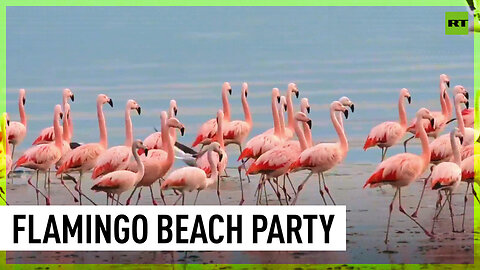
{"x": 140, "y": 166}
{"x": 102, "y": 126}
{"x": 276, "y": 122}
{"x": 226, "y": 105}
{"x": 281, "y": 120}
{"x": 213, "y": 167}
{"x": 57, "y": 131}
{"x": 424, "y": 140}
{"x": 167, "y": 143}
{"x": 220, "y": 133}
{"x": 339, "y": 130}
{"x": 448, "y": 104}
{"x": 402, "y": 113}
{"x": 307, "y": 132}
{"x": 173, "y": 132}
{"x": 456, "y": 152}
{"x": 21, "y": 110}
{"x": 70, "y": 126}
{"x": 300, "y": 136}
{"x": 291, "y": 120}
{"x": 66, "y": 129}
{"x": 128, "y": 127}
{"x": 246, "y": 110}
{"x": 458, "y": 113}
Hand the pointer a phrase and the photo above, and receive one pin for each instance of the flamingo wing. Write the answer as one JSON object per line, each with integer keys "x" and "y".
{"x": 153, "y": 141}
{"x": 445, "y": 174}
{"x": 78, "y": 157}
{"x": 16, "y": 132}
{"x": 46, "y": 135}
{"x": 386, "y": 133}
{"x": 207, "y": 131}
{"x": 113, "y": 159}
{"x": 396, "y": 170}
{"x": 114, "y": 181}
{"x": 40, "y": 155}
{"x": 236, "y": 130}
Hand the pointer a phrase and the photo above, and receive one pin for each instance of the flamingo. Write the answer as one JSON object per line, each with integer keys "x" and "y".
{"x": 402, "y": 169}
{"x": 208, "y": 129}
{"x": 446, "y": 176}
{"x": 323, "y": 156}
{"x": 158, "y": 162}
{"x": 154, "y": 140}
{"x": 5, "y": 145}
{"x": 46, "y": 135}
{"x": 82, "y": 159}
{"x": 277, "y": 161}
{"x": 193, "y": 178}
{"x": 16, "y": 131}
{"x": 387, "y": 134}
{"x": 42, "y": 157}
{"x": 440, "y": 117}
{"x": 235, "y": 132}
{"x": 470, "y": 166}
{"x": 290, "y": 128}
{"x": 118, "y": 157}
{"x": 307, "y": 132}
{"x": 119, "y": 181}
{"x": 203, "y": 162}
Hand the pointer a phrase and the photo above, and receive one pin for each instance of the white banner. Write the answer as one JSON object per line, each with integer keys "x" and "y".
{"x": 176, "y": 228}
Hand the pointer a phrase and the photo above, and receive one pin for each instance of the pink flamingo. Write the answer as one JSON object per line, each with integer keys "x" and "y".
{"x": 203, "y": 162}
{"x": 277, "y": 161}
{"x": 158, "y": 162}
{"x": 468, "y": 114}
{"x": 387, "y": 134}
{"x": 154, "y": 140}
{"x": 193, "y": 178}
{"x": 323, "y": 156}
{"x": 6, "y": 145}
{"x": 117, "y": 182}
{"x": 118, "y": 157}
{"x": 290, "y": 128}
{"x": 447, "y": 176}
{"x": 208, "y": 129}
{"x": 46, "y": 135}
{"x": 83, "y": 158}
{"x": 402, "y": 169}
{"x": 469, "y": 169}
{"x": 42, "y": 157}
{"x": 16, "y": 131}
{"x": 440, "y": 117}
{"x": 235, "y": 132}
{"x": 305, "y": 108}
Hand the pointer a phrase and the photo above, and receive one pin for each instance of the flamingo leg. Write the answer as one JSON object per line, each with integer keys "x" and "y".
{"x": 49, "y": 183}
{"x": 107, "y": 197}
{"x": 13, "y": 150}
{"x": 75, "y": 200}
{"x": 183, "y": 199}
{"x": 405, "y": 213}
{"x": 439, "y": 202}
{"x": 46, "y": 197}
{"x": 265, "y": 191}
{"x": 415, "y": 214}
{"x": 405, "y": 143}
{"x": 285, "y": 189}
{"x": 390, "y": 215}
{"x": 130, "y": 197}
{"x": 242, "y": 200}
{"x": 139, "y": 196}
{"x": 449, "y": 198}
{"x": 218, "y": 190}
{"x": 36, "y": 187}
{"x": 291, "y": 184}
{"x": 320, "y": 189}
{"x": 441, "y": 208}
{"x": 258, "y": 193}
{"x": 475, "y": 193}
{"x": 196, "y": 197}
{"x": 118, "y": 198}
{"x": 465, "y": 207}
{"x": 243, "y": 164}
{"x": 154, "y": 202}
{"x": 3, "y": 199}
{"x": 161, "y": 191}
{"x": 78, "y": 187}
{"x": 300, "y": 187}
{"x": 384, "y": 153}
{"x": 276, "y": 192}
{"x": 179, "y": 197}
{"x": 327, "y": 190}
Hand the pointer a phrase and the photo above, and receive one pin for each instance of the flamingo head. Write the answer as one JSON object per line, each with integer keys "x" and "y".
{"x": 173, "y": 107}
{"x": 102, "y": 99}
{"x": 406, "y": 94}
{"x": 347, "y": 103}
{"x": 220, "y": 116}
{"x": 67, "y": 93}
{"x": 293, "y": 89}
{"x": 304, "y": 105}
{"x": 424, "y": 113}
{"x": 21, "y": 96}
{"x": 175, "y": 123}
{"x": 7, "y": 118}
{"x": 138, "y": 144}
{"x": 276, "y": 94}
{"x": 133, "y": 105}
{"x": 226, "y": 87}
{"x": 457, "y": 134}
{"x": 338, "y": 107}
{"x": 245, "y": 89}
{"x": 445, "y": 80}
{"x": 460, "y": 98}
{"x": 283, "y": 103}
{"x": 58, "y": 111}
{"x": 302, "y": 117}
{"x": 215, "y": 147}
{"x": 459, "y": 89}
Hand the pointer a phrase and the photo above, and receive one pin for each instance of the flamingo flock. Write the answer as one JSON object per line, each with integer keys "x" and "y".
{"x": 284, "y": 149}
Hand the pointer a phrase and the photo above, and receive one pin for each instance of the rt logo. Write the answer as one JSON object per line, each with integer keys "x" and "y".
{"x": 456, "y": 23}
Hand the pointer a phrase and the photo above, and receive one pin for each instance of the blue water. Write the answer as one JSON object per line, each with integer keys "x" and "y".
{"x": 154, "y": 54}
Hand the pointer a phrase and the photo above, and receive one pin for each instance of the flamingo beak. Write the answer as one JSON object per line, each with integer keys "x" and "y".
{"x": 246, "y": 94}
{"x": 72, "y": 97}
{"x": 278, "y": 99}
{"x": 23, "y": 101}
{"x": 61, "y": 115}
{"x": 309, "y": 123}
{"x": 308, "y": 109}
{"x": 182, "y": 131}
{"x": 466, "y": 95}
{"x": 461, "y": 140}
{"x": 220, "y": 156}
{"x": 352, "y": 107}
{"x": 346, "y": 114}
{"x": 230, "y": 91}
{"x": 467, "y": 104}
{"x": 409, "y": 99}
{"x": 297, "y": 94}
{"x": 448, "y": 84}
{"x": 175, "y": 111}
{"x": 139, "y": 110}
{"x": 110, "y": 101}
{"x": 285, "y": 107}
{"x": 8, "y": 122}
{"x": 146, "y": 151}
{"x": 432, "y": 122}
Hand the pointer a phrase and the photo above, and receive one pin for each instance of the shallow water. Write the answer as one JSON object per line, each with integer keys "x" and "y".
{"x": 156, "y": 54}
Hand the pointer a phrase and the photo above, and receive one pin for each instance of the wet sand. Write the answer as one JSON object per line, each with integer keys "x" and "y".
{"x": 367, "y": 212}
